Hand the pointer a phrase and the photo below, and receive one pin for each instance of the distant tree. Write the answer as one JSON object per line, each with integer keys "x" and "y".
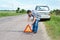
{"x": 23, "y": 11}
{"x": 57, "y": 12}
{"x": 18, "y": 10}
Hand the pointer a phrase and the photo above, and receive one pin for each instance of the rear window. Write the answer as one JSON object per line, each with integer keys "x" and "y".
{"x": 42, "y": 8}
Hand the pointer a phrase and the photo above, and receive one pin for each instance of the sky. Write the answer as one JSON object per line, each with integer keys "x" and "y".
{"x": 28, "y": 4}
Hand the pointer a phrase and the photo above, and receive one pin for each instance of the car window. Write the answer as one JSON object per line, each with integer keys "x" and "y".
{"x": 42, "y": 8}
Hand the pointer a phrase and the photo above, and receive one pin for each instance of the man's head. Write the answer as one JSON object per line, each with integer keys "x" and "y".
{"x": 29, "y": 12}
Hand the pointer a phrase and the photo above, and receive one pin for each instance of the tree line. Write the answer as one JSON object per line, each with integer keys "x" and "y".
{"x": 56, "y": 12}
{"x": 18, "y": 10}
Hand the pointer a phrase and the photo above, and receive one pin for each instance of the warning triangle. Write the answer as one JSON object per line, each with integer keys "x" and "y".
{"x": 28, "y": 28}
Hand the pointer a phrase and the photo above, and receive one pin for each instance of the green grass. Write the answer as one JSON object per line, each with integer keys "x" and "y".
{"x": 53, "y": 27}
{"x": 9, "y": 13}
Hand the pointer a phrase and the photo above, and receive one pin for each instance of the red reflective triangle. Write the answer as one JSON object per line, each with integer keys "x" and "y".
{"x": 28, "y": 28}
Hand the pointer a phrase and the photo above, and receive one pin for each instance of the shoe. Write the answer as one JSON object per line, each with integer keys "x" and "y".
{"x": 34, "y": 32}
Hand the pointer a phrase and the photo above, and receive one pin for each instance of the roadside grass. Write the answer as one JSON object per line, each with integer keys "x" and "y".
{"x": 53, "y": 27}
{"x": 9, "y": 13}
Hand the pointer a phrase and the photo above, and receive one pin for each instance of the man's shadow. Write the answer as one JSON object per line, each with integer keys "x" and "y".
{"x": 21, "y": 31}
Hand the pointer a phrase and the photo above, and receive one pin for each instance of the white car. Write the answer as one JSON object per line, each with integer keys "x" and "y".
{"x": 42, "y": 12}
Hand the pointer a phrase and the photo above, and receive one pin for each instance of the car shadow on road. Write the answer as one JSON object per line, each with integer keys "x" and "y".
{"x": 43, "y": 20}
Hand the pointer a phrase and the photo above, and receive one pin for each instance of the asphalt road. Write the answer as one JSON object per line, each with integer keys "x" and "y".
{"x": 11, "y": 28}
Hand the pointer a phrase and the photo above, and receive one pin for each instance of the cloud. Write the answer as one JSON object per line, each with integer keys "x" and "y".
{"x": 13, "y": 4}
{"x": 10, "y": 4}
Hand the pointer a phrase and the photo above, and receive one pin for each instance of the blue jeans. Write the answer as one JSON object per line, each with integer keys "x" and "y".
{"x": 35, "y": 26}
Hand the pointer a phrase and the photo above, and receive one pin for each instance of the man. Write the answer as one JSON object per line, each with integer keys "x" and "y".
{"x": 34, "y": 21}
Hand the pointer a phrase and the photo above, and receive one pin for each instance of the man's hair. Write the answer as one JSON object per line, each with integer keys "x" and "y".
{"x": 28, "y": 11}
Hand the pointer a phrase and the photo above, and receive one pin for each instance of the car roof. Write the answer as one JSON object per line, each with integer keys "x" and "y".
{"x": 42, "y": 6}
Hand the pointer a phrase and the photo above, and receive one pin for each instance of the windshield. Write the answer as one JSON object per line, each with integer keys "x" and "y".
{"x": 42, "y": 8}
